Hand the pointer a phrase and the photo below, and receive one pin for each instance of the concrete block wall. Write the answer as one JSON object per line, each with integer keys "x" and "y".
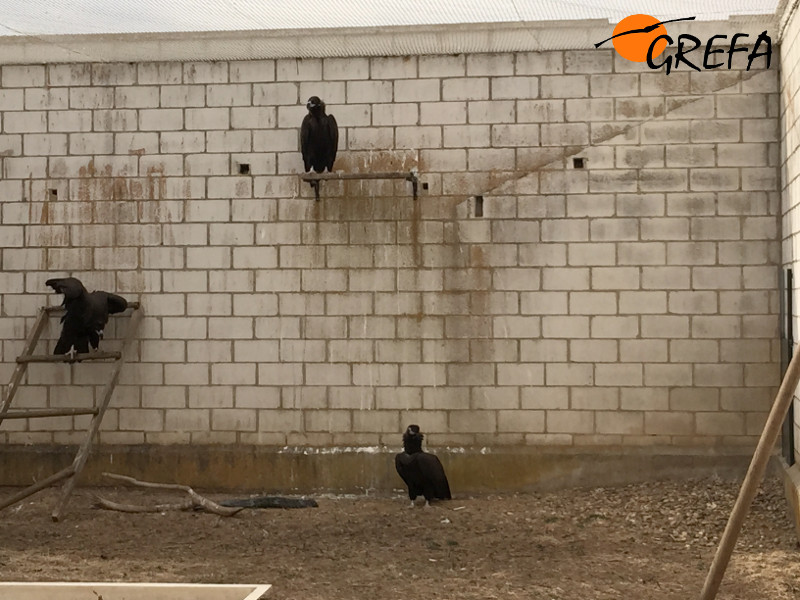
{"x": 790, "y": 166}
{"x": 628, "y": 302}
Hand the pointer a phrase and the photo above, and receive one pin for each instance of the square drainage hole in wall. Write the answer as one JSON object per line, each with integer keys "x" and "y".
{"x": 478, "y": 206}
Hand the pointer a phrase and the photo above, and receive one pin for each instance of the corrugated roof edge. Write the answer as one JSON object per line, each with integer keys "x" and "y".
{"x": 346, "y": 42}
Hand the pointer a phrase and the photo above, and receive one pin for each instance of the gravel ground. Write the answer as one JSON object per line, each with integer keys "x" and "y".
{"x": 639, "y": 542}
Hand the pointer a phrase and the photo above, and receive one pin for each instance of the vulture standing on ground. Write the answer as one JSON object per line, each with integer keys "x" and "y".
{"x": 422, "y": 471}
{"x": 85, "y": 317}
{"x": 319, "y": 137}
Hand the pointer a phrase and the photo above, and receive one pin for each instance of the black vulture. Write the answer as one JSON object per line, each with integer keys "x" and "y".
{"x": 319, "y": 137}
{"x": 85, "y": 317}
{"x": 422, "y": 471}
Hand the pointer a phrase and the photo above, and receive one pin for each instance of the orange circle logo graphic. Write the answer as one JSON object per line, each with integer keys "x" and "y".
{"x": 643, "y": 29}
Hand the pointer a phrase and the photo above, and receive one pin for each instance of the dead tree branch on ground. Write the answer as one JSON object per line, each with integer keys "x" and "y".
{"x": 194, "y": 501}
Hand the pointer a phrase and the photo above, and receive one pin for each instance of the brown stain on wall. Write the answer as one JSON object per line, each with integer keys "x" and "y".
{"x": 416, "y": 217}
{"x": 481, "y": 279}
{"x": 156, "y": 183}
{"x": 104, "y": 185}
{"x": 360, "y": 194}
{"x": 86, "y": 174}
{"x": 155, "y": 188}
{"x": 113, "y": 199}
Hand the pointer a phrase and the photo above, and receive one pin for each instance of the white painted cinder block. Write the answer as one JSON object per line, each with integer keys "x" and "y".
{"x": 518, "y": 280}
{"x": 160, "y": 119}
{"x": 23, "y": 76}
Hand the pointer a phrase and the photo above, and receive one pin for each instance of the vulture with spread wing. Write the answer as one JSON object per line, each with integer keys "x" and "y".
{"x": 85, "y": 317}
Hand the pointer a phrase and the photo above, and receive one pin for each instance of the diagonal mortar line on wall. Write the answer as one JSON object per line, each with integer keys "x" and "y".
{"x": 787, "y": 9}
{"x": 570, "y": 151}
{"x": 43, "y": 39}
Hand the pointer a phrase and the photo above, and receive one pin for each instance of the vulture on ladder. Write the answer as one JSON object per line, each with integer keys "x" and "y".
{"x": 85, "y": 317}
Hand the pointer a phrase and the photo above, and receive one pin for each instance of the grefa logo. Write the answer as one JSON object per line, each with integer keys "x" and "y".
{"x": 642, "y": 38}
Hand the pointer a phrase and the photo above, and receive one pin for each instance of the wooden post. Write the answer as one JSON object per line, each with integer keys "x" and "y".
{"x": 755, "y": 474}
{"x": 83, "y": 452}
{"x": 71, "y": 472}
{"x": 39, "y": 485}
{"x": 19, "y": 370}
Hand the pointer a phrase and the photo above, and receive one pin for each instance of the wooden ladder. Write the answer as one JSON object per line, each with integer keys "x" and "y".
{"x": 71, "y": 472}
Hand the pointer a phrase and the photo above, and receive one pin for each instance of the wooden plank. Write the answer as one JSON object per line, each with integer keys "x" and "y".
{"x": 314, "y": 178}
{"x": 19, "y": 371}
{"x": 39, "y": 485}
{"x": 85, "y": 447}
{"x": 55, "y": 358}
{"x": 33, "y": 413}
{"x": 59, "y": 308}
{"x": 70, "y": 590}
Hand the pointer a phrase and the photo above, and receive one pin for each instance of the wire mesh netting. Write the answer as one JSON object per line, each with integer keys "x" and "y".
{"x": 35, "y": 31}
{"x": 54, "y": 17}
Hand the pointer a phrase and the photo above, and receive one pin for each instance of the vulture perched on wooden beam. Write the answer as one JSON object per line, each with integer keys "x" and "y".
{"x": 85, "y": 317}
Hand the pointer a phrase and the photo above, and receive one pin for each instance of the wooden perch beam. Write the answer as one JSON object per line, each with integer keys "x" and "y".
{"x": 32, "y": 413}
{"x": 54, "y": 358}
{"x": 314, "y": 178}
{"x": 409, "y": 176}
{"x": 59, "y": 308}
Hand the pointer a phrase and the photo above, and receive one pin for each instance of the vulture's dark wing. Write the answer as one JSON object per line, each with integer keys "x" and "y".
{"x": 69, "y": 286}
{"x": 332, "y": 135}
{"x": 402, "y": 463}
{"x": 93, "y": 338}
{"x": 306, "y": 134}
{"x": 94, "y": 316}
{"x": 116, "y": 304}
{"x": 107, "y": 303}
{"x": 73, "y": 336}
{"x": 408, "y": 469}
{"x": 432, "y": 472}
{"x": 86, "y": 314}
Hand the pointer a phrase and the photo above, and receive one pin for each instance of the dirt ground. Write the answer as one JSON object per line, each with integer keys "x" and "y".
{"x": 640, "y": 542}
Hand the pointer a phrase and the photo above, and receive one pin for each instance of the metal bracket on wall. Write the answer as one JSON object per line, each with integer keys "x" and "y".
{"x": 314, "y": 179}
